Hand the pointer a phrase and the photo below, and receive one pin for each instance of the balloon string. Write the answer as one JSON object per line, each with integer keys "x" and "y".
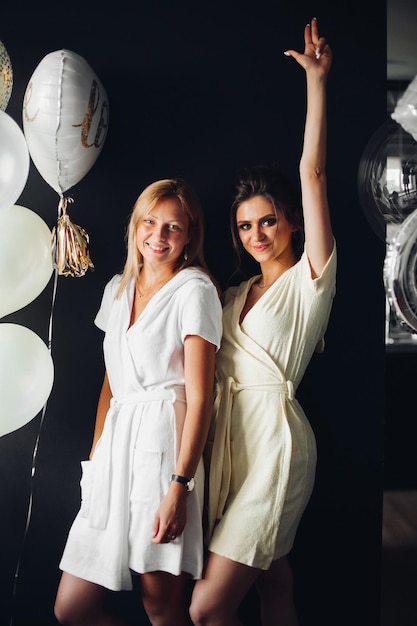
{"x": 62, "y": 205}
{"x": 35, "y": 453}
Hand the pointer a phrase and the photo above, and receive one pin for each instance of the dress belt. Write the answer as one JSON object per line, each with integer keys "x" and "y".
{"x": 173, "y": 393}
{"x": 286, "y": 388}
{"x": 97, "y": 507}
{"x": 221, "y": 463}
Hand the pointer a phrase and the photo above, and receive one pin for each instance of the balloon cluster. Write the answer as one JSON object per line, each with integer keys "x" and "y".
{"x": 387, "y": 187}
{"x": 65, "y": 119}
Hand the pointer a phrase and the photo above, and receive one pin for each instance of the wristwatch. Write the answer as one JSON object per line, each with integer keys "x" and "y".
{"x": 189, "y": 483}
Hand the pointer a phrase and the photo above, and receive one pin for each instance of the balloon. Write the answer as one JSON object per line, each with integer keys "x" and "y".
{"x": 6, "y": 77}
{"x": 380, "y": 177}
{"x": 26, "y": 376}
{"x": 14, "y": 161}
{"x": 25, "y": 258}
{"x": 65, "y": 118}
{"x": 405, "y": 112}
{"x": 400, "y": 272}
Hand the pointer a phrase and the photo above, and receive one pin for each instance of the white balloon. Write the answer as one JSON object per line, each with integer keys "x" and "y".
{"x": 14, "y": 161}
{"x": 26, "y": 376}
{"x": 405, "y": 112}
{"x": 65, "y": 118}
{"x": 25, "y": 258}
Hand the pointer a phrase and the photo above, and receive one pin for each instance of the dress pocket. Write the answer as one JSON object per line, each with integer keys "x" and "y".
{"x": 146, "y": 484}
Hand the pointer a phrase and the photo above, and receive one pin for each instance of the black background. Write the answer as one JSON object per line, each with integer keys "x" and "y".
{"x": 197, "y": 89}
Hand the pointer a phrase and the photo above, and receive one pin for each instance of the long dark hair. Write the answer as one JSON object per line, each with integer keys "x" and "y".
{"x": 272, "y": 184}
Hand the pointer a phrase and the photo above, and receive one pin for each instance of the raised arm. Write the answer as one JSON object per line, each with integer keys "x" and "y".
{"x": 316, "y": 61}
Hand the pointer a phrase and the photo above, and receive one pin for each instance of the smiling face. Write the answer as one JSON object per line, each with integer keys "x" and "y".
{"x": 163, "y": 233}
{"x": 265, "y": 233}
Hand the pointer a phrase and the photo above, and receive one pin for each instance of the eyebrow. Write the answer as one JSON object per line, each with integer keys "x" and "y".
{"x": 176, "y": 219}
{"x": 261, "y": 219}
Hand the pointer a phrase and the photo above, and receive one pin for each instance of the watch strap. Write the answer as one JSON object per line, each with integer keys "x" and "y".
{"x": 183, "y": 480}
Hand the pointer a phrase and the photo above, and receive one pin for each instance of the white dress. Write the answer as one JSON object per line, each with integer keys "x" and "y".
{"x": 263, "y": 450}
{"x": 122, "y": 486}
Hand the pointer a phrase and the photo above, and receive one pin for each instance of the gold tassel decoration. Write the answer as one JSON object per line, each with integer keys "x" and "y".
{"x": 70, "y": 242}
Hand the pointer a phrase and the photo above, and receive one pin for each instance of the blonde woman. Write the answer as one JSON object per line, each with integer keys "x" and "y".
{"x": 142, "y": 488}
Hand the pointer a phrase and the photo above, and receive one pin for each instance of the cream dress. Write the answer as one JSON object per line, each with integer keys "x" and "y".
{"x": 123, "y": 484}
{"x": 263, "y": 457}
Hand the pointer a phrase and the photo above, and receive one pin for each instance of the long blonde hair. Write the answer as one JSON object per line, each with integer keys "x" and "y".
{"x": 146, "y": 202}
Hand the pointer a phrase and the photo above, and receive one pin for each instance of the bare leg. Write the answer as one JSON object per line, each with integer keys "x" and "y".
{"x": 275, "y": 589}
{"x": 165, "y": 599}
{"x": 218, "y": 595}
{"x": 82, "y": 603}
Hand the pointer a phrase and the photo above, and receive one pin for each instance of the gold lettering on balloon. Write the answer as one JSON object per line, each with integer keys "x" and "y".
{"x": 6, "y": 74}
{"x": 26, "y": 101}
{"x": 92, "y": 107}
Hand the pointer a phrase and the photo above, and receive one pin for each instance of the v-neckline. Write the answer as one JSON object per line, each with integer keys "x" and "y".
{"x": 131, "y": 300}
{"x": 249, "y": 286}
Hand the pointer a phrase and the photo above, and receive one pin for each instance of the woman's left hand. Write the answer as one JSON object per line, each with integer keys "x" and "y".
{"x": 171, "y": 516}
{"x": 317, "y": 54}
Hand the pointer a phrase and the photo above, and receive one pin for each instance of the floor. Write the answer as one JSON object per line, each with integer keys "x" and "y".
{"x": 399, "y": 559}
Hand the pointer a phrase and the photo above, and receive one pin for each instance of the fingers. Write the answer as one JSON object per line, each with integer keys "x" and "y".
{"x": 170, "y": 517}
{"x": 314, "y": 29}
{"x": 313, "y": 42}
{"x": 157, "y": 533}
{"x": 308, "y": 35}
{"x": 293, "y": 53}
{"x": 315, "y": 47}
{"x": 164, "y": 537}
{"x": 161, "y": 534}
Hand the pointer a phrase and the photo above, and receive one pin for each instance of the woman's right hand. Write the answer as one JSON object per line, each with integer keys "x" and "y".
{"x": 171, "y": 516}
{"x": 317, "y": 56}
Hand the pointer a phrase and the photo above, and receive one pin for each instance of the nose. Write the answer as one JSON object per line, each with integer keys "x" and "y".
{"x": 160, "y": 232}
{"x": 259, "y": 233}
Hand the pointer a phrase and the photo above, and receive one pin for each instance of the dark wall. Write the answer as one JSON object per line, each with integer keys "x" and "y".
{"x": 400, "y": 427}
{"x": 197, "y": 90}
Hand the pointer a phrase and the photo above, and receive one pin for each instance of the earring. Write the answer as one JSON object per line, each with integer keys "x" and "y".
{"x": 185, "y": 253}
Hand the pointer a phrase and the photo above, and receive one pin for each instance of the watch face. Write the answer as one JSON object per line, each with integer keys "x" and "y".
{"x": 191, "y": 484}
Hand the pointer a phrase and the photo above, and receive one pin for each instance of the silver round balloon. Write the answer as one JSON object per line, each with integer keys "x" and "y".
{"x": 385, "y": 200}
{"x": 400, "y": 273}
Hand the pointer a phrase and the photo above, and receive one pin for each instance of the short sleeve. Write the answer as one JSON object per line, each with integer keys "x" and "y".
{"x": 202, "y": 312}
{"x": 109, "y": 293}
{"x": 327, "y": 279}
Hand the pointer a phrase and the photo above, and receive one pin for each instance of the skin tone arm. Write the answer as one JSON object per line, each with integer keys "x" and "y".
{"x": 199, "y": 357}
{"x": 316, "y": 61}
{"x": 102, "y": 408}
